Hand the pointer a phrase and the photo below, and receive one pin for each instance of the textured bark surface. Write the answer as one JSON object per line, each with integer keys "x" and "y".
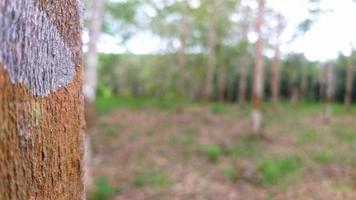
{"x": 258, "y": 77}
{"x": 41, "y": 131}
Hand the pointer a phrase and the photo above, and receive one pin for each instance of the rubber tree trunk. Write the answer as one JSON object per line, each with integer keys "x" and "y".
{"x": 304, "y": 80}
{"x": 243, "y": 76}
{"x": 211, "y": 56}
{"x": 222, "y": 83}
{"x": 276, "y": 65}
{"x": 95, "y": 24}
{"x": 41, "y": 101}
{"x": 349, "y": 82}
{"x": 258, "y": 77}
{"x": 329, "y": 91}
{"x": 182, "y": 55}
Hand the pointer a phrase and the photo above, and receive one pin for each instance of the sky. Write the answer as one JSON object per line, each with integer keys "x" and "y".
{"x": 331, "y": 35}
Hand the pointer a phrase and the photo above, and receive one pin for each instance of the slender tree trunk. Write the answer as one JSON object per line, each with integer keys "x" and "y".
{"x": 211, "y": 57}
{"x": 276, "y": 66}
{"x": 222, "y": 83}
{"x": 329, "y": 91}
{"x": 258, "y": 72}
{"x": 41, "y": 102}
{"x": 304, "y": 81}
{"x": 243, "y": 76}
{"x": 95, "y": 23}
{"x": 322, "y": 83}
{"x": 182, "y": 53}
{"x": 349, "y": 82}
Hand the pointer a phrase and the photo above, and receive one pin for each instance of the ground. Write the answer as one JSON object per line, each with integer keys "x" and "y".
{"x": 207, "y": 151}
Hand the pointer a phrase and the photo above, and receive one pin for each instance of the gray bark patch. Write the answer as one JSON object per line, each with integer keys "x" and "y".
{"x": 31, "y": 48}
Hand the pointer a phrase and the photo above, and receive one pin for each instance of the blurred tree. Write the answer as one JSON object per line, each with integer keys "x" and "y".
{"x": 275, "y": 81}
{"x": 349, "y": 81}
{"x": 258, "y": 77}
{"x": 330, "y": 90}
{"x": 90, "y": 82}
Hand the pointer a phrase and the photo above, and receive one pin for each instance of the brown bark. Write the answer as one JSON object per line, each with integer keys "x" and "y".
{"x": 259, "y": 71}
{"x": 211, "y": 56}
{"x": 349, "y": 82}
{"x": 41, "y": 136}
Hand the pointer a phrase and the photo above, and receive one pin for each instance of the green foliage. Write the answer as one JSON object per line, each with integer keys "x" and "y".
{"x": 152, "y": 178}
{"x": 213, "y": 152}
{"x": 104, "y": 190}
{"x": 278, "y": 171}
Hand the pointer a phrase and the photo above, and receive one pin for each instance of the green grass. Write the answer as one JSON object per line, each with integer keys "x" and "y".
{"x": 110, "y": 103}
{"x": 213, "y": 152}
{"x": 152, "y": 178}
{"x": 309, "y": 135}
{"x": 247, "y": 145}
{"x": 344, "y": 135}
{"x": 104, "y": 190}
{"x": 279, "y": 171}
{"x": 324, "y": 157}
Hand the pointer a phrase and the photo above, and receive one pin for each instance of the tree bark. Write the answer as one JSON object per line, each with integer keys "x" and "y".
{"x": 349, "y": 82}
{"x": 211, "y": 56}
{"x": 41, "y": 101}
{"x": 258, "y": 72}
{"x": 222, "y": 83}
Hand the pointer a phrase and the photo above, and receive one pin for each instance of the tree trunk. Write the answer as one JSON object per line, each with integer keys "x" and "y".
{"x": 95, "y": 24}
{"x": 41, "y": 102}
{"x": 222, "y": 83}
{"x": 243, "y": 76}
{"x": 258, "y": 72}
{"x": 276, "y": 66}
{"x": 211, "y": 57}
{"x": 329, "y": 91}
{"x": 182, "y": 57}
{"x": 349, "y": 82}
{"x": 304, "y": 80}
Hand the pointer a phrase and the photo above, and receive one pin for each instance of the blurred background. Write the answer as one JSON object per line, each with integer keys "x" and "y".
{"x": 220, "y": 99}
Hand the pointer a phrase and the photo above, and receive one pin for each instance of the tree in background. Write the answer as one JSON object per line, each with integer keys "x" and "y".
{"x": 90, "y": 81}
{"x": 330, "y": 90}
{"x": 276, "y": 65}
{"x": 258, "y": 77}
{"x": 349, "y": 81}
{"x": 41, "y": 112}
{"x": 211, "y": 51}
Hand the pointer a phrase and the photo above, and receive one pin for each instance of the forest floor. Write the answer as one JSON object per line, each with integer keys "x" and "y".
{"x": 207, "y": 151}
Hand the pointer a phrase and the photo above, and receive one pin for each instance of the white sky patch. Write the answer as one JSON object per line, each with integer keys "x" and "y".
{"x": 331, "y": 35}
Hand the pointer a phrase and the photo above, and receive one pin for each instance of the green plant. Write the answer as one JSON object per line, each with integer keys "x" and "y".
{"x": 104, "y": 190}
{"x": 213, "y": 152}
{"x": 277, "y": 171}
{"x": 152, "y": 178}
